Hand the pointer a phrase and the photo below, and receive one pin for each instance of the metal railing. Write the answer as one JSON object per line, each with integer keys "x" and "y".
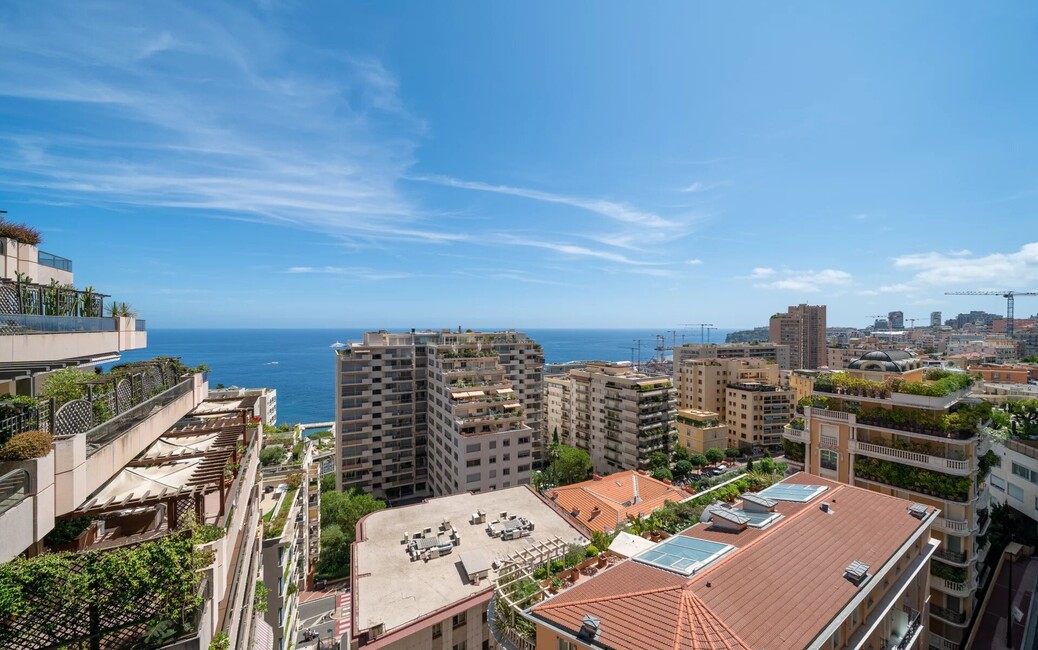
{"x": 105, "y": 433}
{"x": 947, "y": 614}
{"x": 913, "y": 626}
{"x": 54, "y": 261}
{"x": 34, "y": 324}
{"x": 25, "y": 297}
{"x": 14, "y": 488}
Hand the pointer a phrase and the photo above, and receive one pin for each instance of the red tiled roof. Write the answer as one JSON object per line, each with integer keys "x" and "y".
{"x": 609, "y": 497}
{"x": 667, "y": 615}
{"x": 779, "y": 589}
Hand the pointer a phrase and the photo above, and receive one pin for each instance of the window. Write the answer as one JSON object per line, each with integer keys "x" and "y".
{"x": 998, "y": 483}
{"x": 458, "y": 646}
{"x": 828, "y": 459}
{"x": 458, "y": 620}
{"x": 437, "y": 630}
{"x": 472, "y": 478}
{"x": 473, "y": 463}
{"x": 566, "y": 645}
{"x": 474, "y": 447}
{"x": 1023, "y": 472}
{"x": 1016, "y": 491}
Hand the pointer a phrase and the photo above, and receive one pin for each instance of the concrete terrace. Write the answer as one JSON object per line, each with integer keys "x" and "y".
{"x": 391, "y": 589}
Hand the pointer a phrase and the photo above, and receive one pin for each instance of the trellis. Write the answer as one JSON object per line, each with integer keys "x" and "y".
{"x": 112, "y": 622}
{"x": 517, "y": 568}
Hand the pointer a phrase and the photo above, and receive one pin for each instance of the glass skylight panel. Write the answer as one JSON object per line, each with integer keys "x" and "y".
{"x": 793, "y": 492}
{"x": 684, "y": 555}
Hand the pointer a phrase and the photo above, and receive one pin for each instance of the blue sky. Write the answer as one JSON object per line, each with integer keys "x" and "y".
{"x": 536, "y": 164}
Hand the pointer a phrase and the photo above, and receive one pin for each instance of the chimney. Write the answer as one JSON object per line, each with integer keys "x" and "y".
{"x": 575, "y": 511}
{"x": 594, "y": 513}
{"x": 634, "y": 483}
{"x": 596, "y": 477}
{"x": 825, "y": 508}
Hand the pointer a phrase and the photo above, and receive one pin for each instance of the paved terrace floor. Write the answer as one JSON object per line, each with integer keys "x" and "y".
{"x": 393, "y": 590}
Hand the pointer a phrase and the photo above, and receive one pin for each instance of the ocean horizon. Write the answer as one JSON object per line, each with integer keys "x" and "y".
{"x": 299, "y": 362}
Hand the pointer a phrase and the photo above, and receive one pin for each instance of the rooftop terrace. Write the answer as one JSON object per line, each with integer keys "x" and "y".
{"x": 391, "y": 589}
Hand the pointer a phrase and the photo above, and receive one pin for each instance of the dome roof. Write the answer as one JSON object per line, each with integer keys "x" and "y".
{"x": 883, "y": 361}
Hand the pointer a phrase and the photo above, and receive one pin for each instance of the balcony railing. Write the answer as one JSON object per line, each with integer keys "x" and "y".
{"x": 111, "y": 430}
{"x": 904, "y": 456}
{"x": 910, "y": 631}
{"x": 949, "y": 615}
{"x": 14, "y": 488}
{"x": 49, "y": 300}
{"x": 54, "y": 261}
{"x": 33, "y": 324}
{"x": 950, "y": 556}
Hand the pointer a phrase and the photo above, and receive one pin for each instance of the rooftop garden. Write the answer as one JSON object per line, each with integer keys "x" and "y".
{"x": 794, "y": 450}
{"x": 953, "y": 488}
{"x": 20, "y": 232}
{"x": 936, "y": 383}
{"x": 660, "y": 385}
{"x": 467, "y": 353}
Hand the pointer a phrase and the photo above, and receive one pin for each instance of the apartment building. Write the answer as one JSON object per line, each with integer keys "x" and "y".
{"x": 618, "y": 415}
{"x": 757, "y": 414}
{"x": 1014, "y": 481}
{"x": 777, "y": 354}
{"x": 264, "y": 401}
{"x": 838, "y": 358}
{"x": 448, "y": 552}
{"x": 438, "y": 412}
{"x": 700, "y": 430}
{"x": 802, "y": 328}
{"x": 745, "y": 395}
{"x": 806, "y": 563}
{"x": 702, "y": 383}
{"x": 115, "y": 477}
{"x": 935, "y": 319}
{"x": 892, "y": 426}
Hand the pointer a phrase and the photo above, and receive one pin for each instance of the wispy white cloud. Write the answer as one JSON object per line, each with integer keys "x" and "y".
{"x": 694, "y": 262}
{"x": 520, "y": 276}
{"x": 961, "y": 269}
{"x": 889, "y": 288}
{"x": 570, "y": 249}
{"x": 615, "y": 210}
{"x": 209, "y": 114}
{"x": 796, "y": 280}
{"x": 702, "y": 186}
{"x": 362, "y": 273}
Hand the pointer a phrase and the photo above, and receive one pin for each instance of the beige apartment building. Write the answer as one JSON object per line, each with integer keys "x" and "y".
{"x": 806, "y": 563}
{"x": 894, "y": 427}
{"x": 618, "y": 415}
{"x": 744, "y": 393}
{"x": 757, "y": 414}
{"x": 700, "y": 430}
{"x": 802, "y": 328}
{"x": 776, "y": 353}
{"x": 438, "y": 412}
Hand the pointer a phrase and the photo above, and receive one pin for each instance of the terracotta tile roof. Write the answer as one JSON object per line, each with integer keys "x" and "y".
{"x": 610, "y": 493}
{"x": 668, "y": 614}
{"x": 779, "y": 589}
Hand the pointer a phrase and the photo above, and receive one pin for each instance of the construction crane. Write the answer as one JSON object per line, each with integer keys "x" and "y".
{"x": 703, "y": 327}
{"x": 1008, "y": 295}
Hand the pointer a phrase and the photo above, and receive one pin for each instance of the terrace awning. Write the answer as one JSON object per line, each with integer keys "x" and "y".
{"x": 139, "y": 485}
{"x": 172, "y": 448}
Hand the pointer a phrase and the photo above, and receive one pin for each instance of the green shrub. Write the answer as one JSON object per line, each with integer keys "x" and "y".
{"x": 592, "y": 550}
{"x": 19, "y": 232}
{"x": 66, "y": 385}
{"x": 27, "y": 445}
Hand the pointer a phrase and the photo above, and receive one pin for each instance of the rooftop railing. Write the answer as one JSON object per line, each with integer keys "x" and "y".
{"x": 114, "y": 428}
{"x": 54, "y": 261}
{"x": 28, "y": 324}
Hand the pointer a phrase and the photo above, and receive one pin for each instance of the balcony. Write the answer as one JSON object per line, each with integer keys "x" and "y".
{"x": 906, "y": 626}
{"x": 950, "y": 616}
{"x": 54, "y": 261}
{"x": 941, "y": 643}
{"x": 791, "y": 433}
{"x": 952, "y": 526}
{"x": 913, "y": 458}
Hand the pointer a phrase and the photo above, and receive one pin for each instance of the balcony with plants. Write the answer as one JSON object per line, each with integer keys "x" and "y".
{"x": 938, "y": 456}
{"x": 914, "y": 479}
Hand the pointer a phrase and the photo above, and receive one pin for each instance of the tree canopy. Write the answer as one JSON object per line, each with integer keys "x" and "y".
{"x": 340, "y": 512}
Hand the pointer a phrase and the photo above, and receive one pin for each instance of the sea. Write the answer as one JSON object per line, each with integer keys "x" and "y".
{"x": 300, "y": 364}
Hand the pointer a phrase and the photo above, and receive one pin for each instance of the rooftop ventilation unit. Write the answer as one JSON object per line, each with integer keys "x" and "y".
{"x": 825, "y": 508}
{"x": 590, "y": 628}
{"x": 857, "y": 572}
{"x": 918, "y": 511}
